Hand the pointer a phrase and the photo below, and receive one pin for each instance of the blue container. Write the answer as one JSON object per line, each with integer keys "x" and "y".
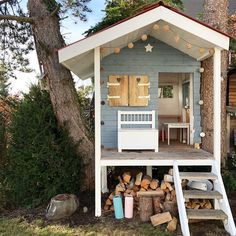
{"x": 118, "y": 207}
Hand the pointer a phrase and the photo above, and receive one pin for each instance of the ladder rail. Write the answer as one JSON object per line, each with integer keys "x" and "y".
{"x": 180, "y": 201}
{"x": 224, "y": 203}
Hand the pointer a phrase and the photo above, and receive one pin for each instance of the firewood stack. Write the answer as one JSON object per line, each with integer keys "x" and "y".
{"x": 154, "y": 200}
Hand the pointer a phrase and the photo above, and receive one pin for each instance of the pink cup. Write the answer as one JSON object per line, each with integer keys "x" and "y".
{"x": 129, "y": 204}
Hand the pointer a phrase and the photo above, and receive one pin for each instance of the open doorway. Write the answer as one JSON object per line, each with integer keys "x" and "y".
{"x": 175, "y": 108}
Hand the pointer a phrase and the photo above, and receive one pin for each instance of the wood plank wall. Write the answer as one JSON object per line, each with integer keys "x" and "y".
{"x": 136, "y": 61}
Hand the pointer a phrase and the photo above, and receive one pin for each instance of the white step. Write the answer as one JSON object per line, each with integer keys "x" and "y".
{"x": 197, "y": 175}
{"x": 206, "y": 214}
{"x": 198, "y": 194}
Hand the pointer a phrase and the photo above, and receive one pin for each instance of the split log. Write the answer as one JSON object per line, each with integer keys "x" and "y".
{"x": 168, "y": 197}
{"x": 207, "y": 205}
{"x": 146, "y": 208}
{"x": 163, "y": 185}
{"x": 136, "y": 188}
{"x": 119, "y": 188}
{"x": 106, "y": 207}
{"x": 128, "y": 191}
{"x": 142, "y": 190}
{"x": 171, "y": 207}
{"x": 169, "y": 186}
{"x": 111, "y": 196}
{"x": 161, "y": 218}
{"x": 146, "y": 181}
{"x": 138, "y": 178}
{"x": 126, "y": 177}
{"x": 172, "y": 225}
{"x": 156, "y": 205}
{"x": 121, "y": 182}
{"x": 170, "y": 172}
{"x": 173, "y": 196}
{"x": 166, "y": 190}
{"x": 168, "y": 178}
{"x": 154, "y": 184}
{"x": 153, "y": 193}
{"x": 131, "y": 184}
{"x": 112, "y": 208}
{"x": 108, "y": 202}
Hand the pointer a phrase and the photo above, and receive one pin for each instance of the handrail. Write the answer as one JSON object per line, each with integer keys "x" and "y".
{"x": 180, "y": 201}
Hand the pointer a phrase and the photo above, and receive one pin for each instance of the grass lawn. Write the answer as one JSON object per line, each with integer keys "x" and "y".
{"x": 20, "y": 227}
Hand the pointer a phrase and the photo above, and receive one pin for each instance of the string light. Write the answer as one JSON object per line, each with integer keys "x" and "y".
{"x": 202, "y": 50}
{"x": 117, "y": 50}
{"x": 130, "y": 45}
{"x": 176, "y": 36}
{"x": 166, "y": 28}
{"x": 211, "y": 51}
{"x": 144, "y": 37}
{"x": 156, "y": 27}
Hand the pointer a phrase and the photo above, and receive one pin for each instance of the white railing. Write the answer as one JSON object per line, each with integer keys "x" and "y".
{"x": 180, "y": 201}
{"x": 223, "y": 204}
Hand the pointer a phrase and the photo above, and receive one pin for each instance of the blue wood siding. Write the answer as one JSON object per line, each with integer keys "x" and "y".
{"x": 138, "y": 62}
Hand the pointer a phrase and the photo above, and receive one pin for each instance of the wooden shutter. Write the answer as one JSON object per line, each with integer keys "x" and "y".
{"x": 139, "y": 90}
{"x": 117, "y": 90}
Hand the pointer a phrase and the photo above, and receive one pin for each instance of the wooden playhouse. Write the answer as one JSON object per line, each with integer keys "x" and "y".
{"x": 147, "y": 71}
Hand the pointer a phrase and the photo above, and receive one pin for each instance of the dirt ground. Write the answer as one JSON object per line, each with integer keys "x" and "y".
{"x": 209, "y": 228}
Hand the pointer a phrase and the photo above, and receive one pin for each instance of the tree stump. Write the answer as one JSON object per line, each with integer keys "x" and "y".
{"x": 171, "y": 207}
{"x": 157, "y": 205}
{"x": 146, "y": 208}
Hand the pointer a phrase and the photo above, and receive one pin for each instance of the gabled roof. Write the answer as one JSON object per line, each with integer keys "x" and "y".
{"x": 78, "y": 57}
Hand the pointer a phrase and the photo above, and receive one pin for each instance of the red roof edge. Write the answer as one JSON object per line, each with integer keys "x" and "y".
{"x": 149, "y": 8}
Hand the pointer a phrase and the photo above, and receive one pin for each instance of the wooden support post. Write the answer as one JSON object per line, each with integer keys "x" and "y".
{"x": 104, "y": 179}
{"x": 217, "y": 106}
{"x": 149, "y": 170}
{"x": 97, "y": 132}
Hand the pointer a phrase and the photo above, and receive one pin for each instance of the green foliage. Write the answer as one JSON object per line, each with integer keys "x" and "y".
{"x": 2, "y": 158}
{"x": 87, "y": 108}
{"x": 117, "y": 10}
{"x": 41, "y": 159}
{"x": 229, "y": 178}
{"x": 16, "y": 40}
{"x": 3, "y": 81}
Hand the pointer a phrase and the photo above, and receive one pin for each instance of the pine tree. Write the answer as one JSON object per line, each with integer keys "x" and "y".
{"x": 42, "y": 162}
{"x": 117, "y": 10}
{"x": 43, "y": 21}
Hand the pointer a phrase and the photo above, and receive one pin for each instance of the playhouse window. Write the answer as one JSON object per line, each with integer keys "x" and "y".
{"x": 165, "y": 91}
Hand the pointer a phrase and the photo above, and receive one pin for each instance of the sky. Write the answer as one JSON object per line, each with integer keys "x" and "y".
{"x": 72, "y": 32}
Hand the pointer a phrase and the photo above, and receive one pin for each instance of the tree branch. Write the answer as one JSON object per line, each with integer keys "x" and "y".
{"x": 4, "y": 1}
{"x": 21, "y": 19}
{"x": 55, "y": 10}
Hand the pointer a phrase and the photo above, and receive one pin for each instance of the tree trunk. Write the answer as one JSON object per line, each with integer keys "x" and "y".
{"x": 216, "y": 15}
{"x": 48, "y": 40}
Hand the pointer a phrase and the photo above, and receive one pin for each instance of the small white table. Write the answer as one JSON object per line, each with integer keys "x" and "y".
{"x": 175, "y": 126}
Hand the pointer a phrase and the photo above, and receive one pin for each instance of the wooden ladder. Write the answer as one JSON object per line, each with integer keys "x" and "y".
{"x": 221, "y": 209}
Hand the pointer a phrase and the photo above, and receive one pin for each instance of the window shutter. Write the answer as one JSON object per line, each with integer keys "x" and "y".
{"x": 117, "y": 90}
{"x": 139, "y": 90}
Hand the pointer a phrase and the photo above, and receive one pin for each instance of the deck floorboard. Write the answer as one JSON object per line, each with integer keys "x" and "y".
{"x": 174, "y": 152}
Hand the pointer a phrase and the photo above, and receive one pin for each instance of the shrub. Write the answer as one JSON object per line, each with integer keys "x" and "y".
{"x": 229, "y": 178}
{"x": 42, "y": 161}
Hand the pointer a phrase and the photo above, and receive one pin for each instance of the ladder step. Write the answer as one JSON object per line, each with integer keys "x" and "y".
{"x": 197, "y": 175}
{"x": 206, "y": 214}
{"x": 198, "y": 194}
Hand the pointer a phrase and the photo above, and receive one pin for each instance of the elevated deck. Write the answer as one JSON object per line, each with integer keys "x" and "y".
{"x": 185, "y": 155}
